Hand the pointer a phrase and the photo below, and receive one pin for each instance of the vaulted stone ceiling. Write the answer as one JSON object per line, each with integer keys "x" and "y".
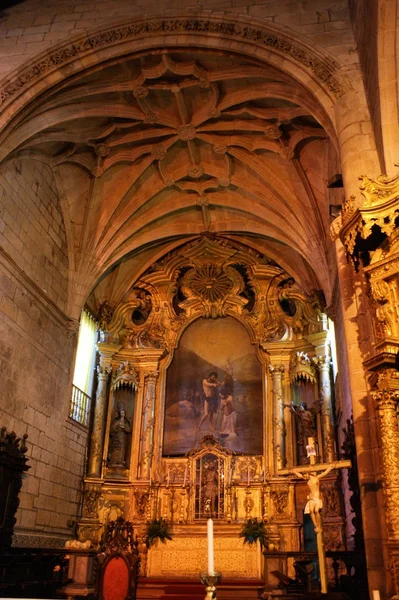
{"x": 153, "y": 150}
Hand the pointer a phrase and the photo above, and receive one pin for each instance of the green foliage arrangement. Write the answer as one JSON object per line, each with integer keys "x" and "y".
{"x": 254, "y": 530}
{"x": 158, "y": 529}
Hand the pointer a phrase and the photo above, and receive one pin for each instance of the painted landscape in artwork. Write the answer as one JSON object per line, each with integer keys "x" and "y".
{"x": 214, "y": 386}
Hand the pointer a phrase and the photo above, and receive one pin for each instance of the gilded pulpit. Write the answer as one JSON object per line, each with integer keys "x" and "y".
{"x": 216, "y": 368}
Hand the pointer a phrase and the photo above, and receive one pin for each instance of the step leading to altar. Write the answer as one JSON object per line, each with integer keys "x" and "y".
{"x": 190, "y": 589}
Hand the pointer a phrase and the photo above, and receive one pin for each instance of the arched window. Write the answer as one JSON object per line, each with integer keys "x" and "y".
{"x": 83, "y": 374}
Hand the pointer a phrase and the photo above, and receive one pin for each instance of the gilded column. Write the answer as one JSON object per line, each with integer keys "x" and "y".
{"x": 387, "y": 406}
{"x": 324, "y": 366}
{"x": 97, "y": 438}
{"x": 147, "y": 424}
{"x": 278, "y": 418}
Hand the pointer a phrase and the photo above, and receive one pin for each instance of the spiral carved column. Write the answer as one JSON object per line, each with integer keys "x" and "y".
{"x": 278, "y": 418}
{"x": 324, "y": 366}
{"x": 387, "y": 406}
{"x": 147, "y": 424}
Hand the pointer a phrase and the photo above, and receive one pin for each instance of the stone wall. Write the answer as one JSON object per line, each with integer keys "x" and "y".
{"x": 32, "y": 26}
{"x": 364, "y": 15}
{"x": 36, "y": 351}
{"x": 31, "y": 227}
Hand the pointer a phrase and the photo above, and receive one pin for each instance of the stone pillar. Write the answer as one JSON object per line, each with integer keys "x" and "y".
{"x": 97, "y": 438}
{"x": 278, "y": 416}
{"x": 147, "y": 424}
{"x": 324, "y": 366}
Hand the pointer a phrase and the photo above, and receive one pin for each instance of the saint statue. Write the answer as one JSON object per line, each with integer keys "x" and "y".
{"x": 307, "y": 428}
{"x": 119, "y": 438}
{"x": 210, "y": 484}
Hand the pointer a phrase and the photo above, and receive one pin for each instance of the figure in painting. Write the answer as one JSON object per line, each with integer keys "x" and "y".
{"x": 119, "y": 437}
{"x": 211, "y": 401}
{"x": 229, "y": 415}
{"x": 210, "y": 488}
{"x": 315, "y": 502}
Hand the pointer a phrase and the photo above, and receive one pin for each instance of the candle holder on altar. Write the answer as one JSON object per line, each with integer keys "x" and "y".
{"x": 209, "y": 580}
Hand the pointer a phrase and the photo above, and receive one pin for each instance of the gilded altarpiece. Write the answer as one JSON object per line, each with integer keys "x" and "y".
{"x": 210, "y": 347}
{"x": 368, "y": 229}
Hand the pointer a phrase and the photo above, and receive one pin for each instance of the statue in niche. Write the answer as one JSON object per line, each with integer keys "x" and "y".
{"x": 307, "y": 427}
{"x": 119, "y": 438}
{"x": 210, "y": 483}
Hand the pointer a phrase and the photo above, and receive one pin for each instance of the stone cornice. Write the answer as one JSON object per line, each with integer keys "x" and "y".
{"x": 253, "y": 31}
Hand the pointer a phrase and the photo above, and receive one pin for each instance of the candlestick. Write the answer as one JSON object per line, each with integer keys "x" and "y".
{"x": 210, "y": 582}
{"x": 248, "y": 475}
{"x": 211, "y": 565}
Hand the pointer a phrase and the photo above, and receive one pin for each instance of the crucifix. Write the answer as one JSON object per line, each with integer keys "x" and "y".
{"x": 312, "y": 474}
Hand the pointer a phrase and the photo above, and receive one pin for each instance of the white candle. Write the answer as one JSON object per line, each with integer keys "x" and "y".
{"x": 248, "y": 475}
{"x": 168, "y": 477}
{"x": 264, "y": 475}
{"x": 211, "y": 566}
{"x": 185, "y": 476}
{"x": 376, "y": 595}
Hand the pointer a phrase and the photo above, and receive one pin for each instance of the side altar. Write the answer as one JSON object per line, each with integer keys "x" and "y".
{"x": 214, "y": 371}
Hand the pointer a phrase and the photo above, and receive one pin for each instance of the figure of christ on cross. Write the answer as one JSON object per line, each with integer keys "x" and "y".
{"x": 315, "y": 503}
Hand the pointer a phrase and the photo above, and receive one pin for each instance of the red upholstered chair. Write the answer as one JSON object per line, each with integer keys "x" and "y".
{"x": 118, "y": 563}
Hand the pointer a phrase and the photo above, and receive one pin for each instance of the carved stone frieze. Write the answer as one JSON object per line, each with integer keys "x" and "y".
{"x": 228, "y": 28}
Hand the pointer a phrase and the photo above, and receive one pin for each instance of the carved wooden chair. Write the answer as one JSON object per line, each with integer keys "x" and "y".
{"x": 118, "y": 563}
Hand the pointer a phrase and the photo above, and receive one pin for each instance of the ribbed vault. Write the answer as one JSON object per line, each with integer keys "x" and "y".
{"x": 152, "y": 150}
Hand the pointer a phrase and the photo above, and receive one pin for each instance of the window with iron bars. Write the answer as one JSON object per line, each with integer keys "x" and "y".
{"x": 79, "y": 409}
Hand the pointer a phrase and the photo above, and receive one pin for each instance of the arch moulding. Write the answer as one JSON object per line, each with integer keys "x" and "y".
{"x": 312, "y": 67}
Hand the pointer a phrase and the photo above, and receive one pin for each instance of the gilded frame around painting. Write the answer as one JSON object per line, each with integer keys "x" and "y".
{"x": 214, "y": 386}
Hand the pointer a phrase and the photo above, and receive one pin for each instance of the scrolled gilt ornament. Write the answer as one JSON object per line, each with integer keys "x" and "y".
{"x": 386, "y": 399}
{"x": 104, "y": 370}
{"x": 376, "y": 191}
{"x": 125, "y": 374}
{"x": 105, "y": 314}
{"x": 151, "y": 376}
{"x": 302, "y": 368}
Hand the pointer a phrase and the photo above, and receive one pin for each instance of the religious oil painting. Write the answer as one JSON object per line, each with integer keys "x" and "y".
{"x": 214, "y": 386}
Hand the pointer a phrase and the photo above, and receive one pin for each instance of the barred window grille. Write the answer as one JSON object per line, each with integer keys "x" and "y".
{"x": 80, "y": 406}
{"x": 79, "y": 409}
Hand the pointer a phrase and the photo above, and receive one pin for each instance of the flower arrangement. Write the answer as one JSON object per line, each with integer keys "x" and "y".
{"x": 158, "y": 529}
{"x": 254, "y": 530}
